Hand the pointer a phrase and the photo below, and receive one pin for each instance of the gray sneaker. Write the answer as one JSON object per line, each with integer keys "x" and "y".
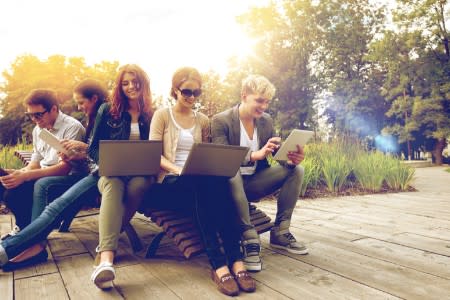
{"x": 287, "y": 242}
{"x": 252, "y": 260}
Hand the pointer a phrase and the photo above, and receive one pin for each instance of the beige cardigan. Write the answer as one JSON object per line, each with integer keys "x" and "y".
{"x": 163, "y": 129}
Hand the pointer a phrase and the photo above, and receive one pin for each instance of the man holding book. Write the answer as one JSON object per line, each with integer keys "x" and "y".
{"x": 17, "y": 187}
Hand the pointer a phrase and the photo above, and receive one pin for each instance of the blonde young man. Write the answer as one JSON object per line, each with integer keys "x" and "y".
{"x": 248, "y": 125}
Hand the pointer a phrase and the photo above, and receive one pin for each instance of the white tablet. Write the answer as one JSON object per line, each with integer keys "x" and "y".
{"x": 52, "y": 140}
{"x": 296, "y": 137}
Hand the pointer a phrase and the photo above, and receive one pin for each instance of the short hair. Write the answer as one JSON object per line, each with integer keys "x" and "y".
{"x": 257, "y": 84}
{"x": 182, "y": 75}
{"x": 45, "y": 97}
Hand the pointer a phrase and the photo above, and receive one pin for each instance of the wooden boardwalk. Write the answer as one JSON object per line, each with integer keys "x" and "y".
{"x": 383, "y": 246}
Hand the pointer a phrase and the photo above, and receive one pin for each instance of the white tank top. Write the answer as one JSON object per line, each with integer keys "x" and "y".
{"x": 134, "y": 131}
{"x": 252, "y": 144}
{"x": 185, "y": 142}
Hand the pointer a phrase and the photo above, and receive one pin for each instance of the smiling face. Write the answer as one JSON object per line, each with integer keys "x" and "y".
{"x": 131, "y": 86}
{"x": 254, "y": 105}
{"x": 84, "y": 104}
{"x": 182, "y": 98}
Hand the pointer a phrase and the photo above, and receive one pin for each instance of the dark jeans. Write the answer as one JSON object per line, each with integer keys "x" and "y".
{"x": 208, "y": 200}
{"x": 20, "y": 201}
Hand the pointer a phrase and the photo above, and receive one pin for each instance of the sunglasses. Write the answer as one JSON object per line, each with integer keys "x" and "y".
{"x": 36, "y": 115}
{"x": 189, "y": 93}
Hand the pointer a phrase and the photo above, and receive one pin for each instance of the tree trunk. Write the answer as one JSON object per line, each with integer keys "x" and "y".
{"x": 437, "y": 152}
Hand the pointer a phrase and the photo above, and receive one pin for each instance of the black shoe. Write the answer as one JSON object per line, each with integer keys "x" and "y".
{"x": 38, "y": 258}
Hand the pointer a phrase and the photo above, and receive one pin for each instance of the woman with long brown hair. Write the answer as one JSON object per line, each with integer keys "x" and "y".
{"x": 126, "y": 117}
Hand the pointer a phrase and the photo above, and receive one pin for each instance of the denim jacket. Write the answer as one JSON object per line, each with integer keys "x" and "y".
{"x": 108, "y": 128}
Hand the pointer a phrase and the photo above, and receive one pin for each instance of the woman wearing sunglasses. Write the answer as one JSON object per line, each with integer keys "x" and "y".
{"x": 126, "y": 117}
{"x": 27, "y": 247}
{"x": 206, "y": 197}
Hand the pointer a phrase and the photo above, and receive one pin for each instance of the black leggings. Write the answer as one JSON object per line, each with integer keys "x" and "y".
{"x": 208, "y": 200}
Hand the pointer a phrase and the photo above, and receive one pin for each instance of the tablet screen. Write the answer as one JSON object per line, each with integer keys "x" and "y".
{"x": 296, "y": 137}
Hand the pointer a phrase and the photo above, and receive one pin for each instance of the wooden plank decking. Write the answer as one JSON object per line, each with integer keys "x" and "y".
{"x": 383, "y": 246}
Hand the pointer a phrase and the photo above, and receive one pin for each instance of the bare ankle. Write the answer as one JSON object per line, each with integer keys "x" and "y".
{"x": 222, "y": 271}
{"x": 238, "y": 266}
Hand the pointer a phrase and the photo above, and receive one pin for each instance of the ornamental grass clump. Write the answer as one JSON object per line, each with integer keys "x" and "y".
{"x": 369, "y": 169}
{"x": 336, "y": 165}
{"x": 398, "y": 175}
{"x": 312, "y": 166}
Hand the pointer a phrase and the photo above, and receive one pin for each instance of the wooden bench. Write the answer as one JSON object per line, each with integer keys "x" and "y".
{"x": 175, "y": 224}
{"x": 181, "y": 228}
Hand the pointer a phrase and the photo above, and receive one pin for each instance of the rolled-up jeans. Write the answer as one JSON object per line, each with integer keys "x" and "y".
{"x": 53, "y": 214}
{"x": 245, "y": 188}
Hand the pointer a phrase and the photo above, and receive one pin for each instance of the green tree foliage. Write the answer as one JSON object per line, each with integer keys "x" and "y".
{"x": 216, "y": 96}
{"x": 354, "y": 104}
{"x": 56, "y": 72}
{"x": 283, "y": 53}
{"x": 416, "y": 61}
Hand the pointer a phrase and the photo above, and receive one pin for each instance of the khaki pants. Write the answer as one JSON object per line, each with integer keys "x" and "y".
{"x": 121, "y": 196}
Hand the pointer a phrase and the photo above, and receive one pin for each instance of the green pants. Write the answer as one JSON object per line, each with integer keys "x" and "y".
{"x": 121, "y": 196}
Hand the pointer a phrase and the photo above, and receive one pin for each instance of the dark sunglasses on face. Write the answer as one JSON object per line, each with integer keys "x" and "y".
{"x": 189, "y": 93}
{"x": 36, "y": 115}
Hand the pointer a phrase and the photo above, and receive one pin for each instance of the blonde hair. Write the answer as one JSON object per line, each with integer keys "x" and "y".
{"x": 257, "y": 84}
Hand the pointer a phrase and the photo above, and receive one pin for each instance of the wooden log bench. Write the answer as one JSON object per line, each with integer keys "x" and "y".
{"x": 175, "y": 224}
{"x": 182, "y": 230}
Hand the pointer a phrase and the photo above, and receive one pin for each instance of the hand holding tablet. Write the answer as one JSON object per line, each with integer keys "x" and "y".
{"x": 53, "y": 141}
{"x": 296, "y": 137}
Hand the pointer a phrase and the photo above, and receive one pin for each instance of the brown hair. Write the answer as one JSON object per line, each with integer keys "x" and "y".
{"x": 88, "y": 88}
{"x": 45, "y": 97}
{"x": 119, "y": 101}
{"x": 182, "y": 75}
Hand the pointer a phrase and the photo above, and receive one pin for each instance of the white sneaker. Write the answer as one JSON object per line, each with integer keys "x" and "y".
{"x": 104, "y": 275}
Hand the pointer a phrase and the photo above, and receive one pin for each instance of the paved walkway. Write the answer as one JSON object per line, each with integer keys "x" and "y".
{"x": 382, "y": 246}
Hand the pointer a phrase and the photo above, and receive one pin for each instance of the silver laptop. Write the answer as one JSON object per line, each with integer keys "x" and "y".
{"x": 129, "y": 158}
{"x": 214, "y": 160}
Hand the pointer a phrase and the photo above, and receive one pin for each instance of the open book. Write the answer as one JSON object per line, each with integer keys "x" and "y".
{"x": 52, "y": 140}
